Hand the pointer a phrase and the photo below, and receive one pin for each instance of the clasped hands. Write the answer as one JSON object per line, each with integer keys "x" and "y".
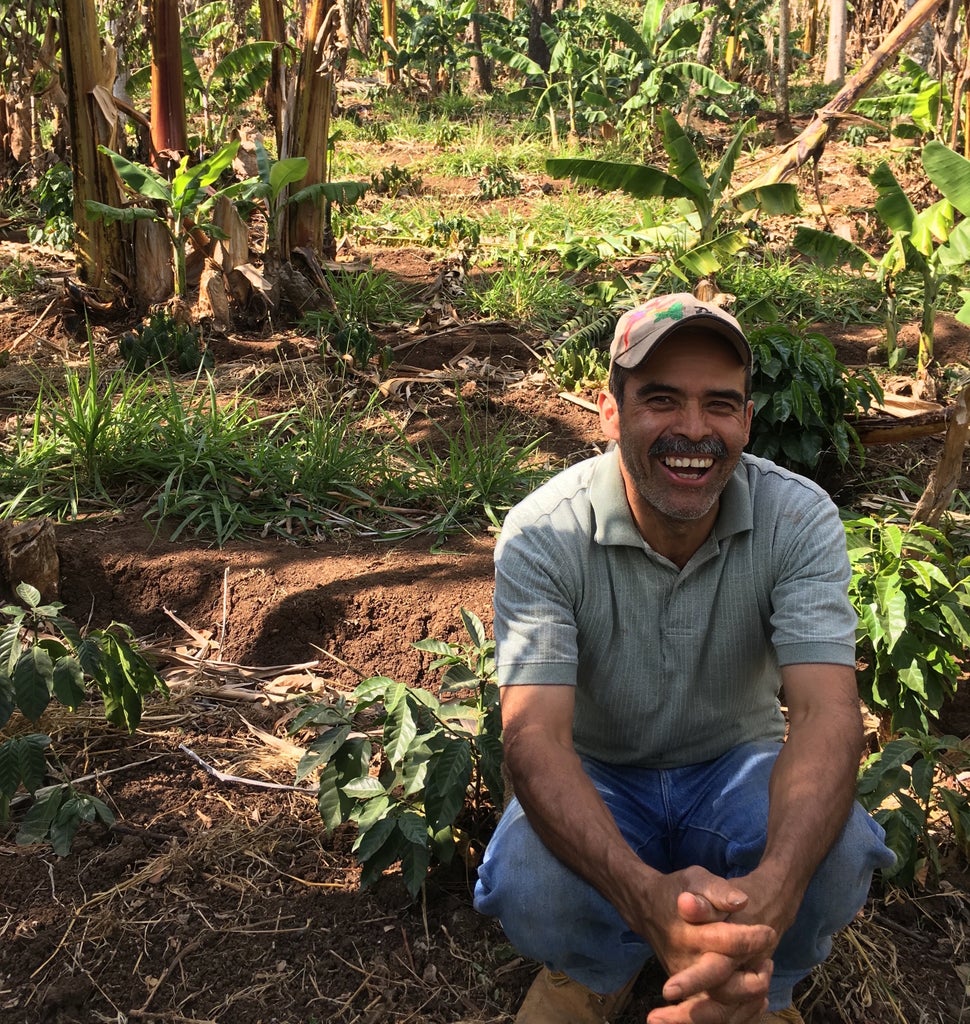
{"x": 714, "y": 945}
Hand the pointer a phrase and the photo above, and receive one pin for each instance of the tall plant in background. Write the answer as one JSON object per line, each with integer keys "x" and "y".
{"x": 100, "y": 248}
{"x": 183, "y": 206}
{"x": 653, "y": 69}
{"x": 705, "y": 232}
{"x": 929, "y": 242}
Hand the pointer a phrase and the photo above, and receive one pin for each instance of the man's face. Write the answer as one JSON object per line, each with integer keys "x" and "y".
{"x": 682, "y": 426}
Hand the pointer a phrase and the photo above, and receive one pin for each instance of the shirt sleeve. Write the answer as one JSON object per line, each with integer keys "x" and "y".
{"x": 535, "y": 621}
{"x": 812, "y": 619}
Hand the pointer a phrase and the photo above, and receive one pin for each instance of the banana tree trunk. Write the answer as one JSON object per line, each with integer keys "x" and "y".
{"x": 101, "y": 249}
{"x": 307, "y": 223}
{"x": 389, "y": 18}
{"x": 946, "y": 474}
{"x": 273, "y": 29}
{"x": 783, "y": 128}
{"x": 811, "y": 142}
{"x": 169, "y": 131}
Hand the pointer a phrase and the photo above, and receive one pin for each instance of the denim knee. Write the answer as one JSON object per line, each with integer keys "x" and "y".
{"x": 837, "y": 892}
{"x": 552, "y": 915}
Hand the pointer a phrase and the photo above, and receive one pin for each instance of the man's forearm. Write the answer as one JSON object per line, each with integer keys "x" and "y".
{"x": 810, "y": 797}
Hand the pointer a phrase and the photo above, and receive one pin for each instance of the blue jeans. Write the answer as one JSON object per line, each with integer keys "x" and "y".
{"x": 711, "y": 814}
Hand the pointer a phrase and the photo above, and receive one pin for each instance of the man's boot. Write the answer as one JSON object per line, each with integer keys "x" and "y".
{"x": 555, "y": 998}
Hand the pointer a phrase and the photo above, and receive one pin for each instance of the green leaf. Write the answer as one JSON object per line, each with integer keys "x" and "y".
{"x": 68, "y": 681}
{"x": 39, "y": 819}
{"x": 29, "y": 594}
{"x": 400, "y": 729}
{"x": 32, "y": 681}
{"x": 639, "y": 180}
{"x": 10, "y": 648}
{"x": 448, "y": 775}
{"x": 950, "y": 172}
{"x": 140, "y": 179}
{"x": 364, "y": 788}
{"x": 22, "y": 762}
{"x": 321, "y": 750}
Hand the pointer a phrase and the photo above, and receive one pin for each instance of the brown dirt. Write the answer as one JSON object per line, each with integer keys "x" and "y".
{"x": 218, "y": 901}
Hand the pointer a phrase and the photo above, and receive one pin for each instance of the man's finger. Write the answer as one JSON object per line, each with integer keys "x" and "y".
{"x": 731, "y": 947}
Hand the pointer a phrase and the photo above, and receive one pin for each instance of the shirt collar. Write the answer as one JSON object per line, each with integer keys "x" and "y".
{"x": 614, "y": 521}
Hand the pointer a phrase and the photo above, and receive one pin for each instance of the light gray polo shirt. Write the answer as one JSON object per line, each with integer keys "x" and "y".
{"x": 671, "y": 666}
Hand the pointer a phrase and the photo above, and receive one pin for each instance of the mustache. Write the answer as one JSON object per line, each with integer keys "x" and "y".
{"x": 712, "y": 446}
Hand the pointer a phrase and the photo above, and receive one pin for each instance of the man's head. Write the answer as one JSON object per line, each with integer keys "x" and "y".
{"x": 640, "y": 330}
{"x": 678, "y": 408}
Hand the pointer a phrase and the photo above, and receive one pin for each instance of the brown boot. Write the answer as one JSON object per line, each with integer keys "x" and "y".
{"x": 555, "y": 998}
{"x": 789, "y": 1016}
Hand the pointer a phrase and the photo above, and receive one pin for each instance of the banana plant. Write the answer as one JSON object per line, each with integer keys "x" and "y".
{"x": 656, "y": 73}
{"x": 561, "y": 85}
{"x": 703, "y": 234}
{"x": 928, "y": 242}
{"x": 183, "y": 205}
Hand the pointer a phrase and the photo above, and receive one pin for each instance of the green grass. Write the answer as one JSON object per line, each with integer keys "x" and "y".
{"x": 218, "y": 469}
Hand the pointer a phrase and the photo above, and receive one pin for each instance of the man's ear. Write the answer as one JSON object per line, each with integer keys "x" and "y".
{"x": 609, "y": 415}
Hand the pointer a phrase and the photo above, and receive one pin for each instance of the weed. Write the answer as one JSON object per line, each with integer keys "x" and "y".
{"x": 17, "y": 278}
{"x": 498, "y": 182}
{"x": 483, "y": 471}
{"x": 164, "y": 341}
{"x": 395, "y": 181}
{"x": 524, "y": 290}
{"x": 54, "y": 195}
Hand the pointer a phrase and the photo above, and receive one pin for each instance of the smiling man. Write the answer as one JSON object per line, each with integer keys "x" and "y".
{"x": 650, "y": 605}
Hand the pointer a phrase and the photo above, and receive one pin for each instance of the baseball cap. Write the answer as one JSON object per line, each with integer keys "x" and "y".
{"x": 641, "y": 329}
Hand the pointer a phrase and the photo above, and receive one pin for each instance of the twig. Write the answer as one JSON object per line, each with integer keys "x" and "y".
{"x": 225, "y": 599}
{"x": 339, "y": 661}
{"x": 576, "y": 400}
{"x": 30, "y": 330}
{"x": 170, "y": 966}
{"x": 223, "y": 777}
{"x": 44, "y": 790}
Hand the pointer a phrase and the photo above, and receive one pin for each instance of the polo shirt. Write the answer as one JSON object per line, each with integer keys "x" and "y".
{"x": 671, "y": 666}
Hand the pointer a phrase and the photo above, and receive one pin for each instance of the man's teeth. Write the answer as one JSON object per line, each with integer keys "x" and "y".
{"x": 682, "y": 463}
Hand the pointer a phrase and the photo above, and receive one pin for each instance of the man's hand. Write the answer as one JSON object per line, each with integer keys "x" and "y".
{"x": 719, "y": 967}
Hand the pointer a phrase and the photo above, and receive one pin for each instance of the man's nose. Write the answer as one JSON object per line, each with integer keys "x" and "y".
{"x": 692, "y": 422}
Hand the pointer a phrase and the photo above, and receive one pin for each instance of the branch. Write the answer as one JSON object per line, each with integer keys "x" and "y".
{"x": 811, "y": 141}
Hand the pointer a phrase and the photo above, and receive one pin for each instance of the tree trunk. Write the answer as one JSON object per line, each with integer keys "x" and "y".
{"x": 273, "y": 29}
{"x": 389, "y": 18}
{"x": 169, "y": 135}
{"x": 102, "y": 252}
{"x": 783, "y": 129}
{"x": 811, "y": 142}
{"x": 480, "y": 71}
{"x": 540, "y": 12}
{"x": 307, "y": 223}
{"x": 705, "y": 46}
{"x": 946, "y": 474}
{"x": 835, "y": 50}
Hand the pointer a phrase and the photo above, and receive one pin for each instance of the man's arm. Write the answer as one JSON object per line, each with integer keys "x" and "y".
{"x": 811, "y": 791}
{"x": 566, "y": 811}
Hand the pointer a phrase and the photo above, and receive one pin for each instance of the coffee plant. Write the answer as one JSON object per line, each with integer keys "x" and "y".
{"x": 45, "y": 658}
{"x": 402, "y": 763}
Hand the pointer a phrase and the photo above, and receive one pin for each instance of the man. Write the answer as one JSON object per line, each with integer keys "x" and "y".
{"x": 649, "y": 605}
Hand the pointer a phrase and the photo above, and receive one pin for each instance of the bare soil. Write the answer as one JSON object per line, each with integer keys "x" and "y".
{"x": 216, "y": 900}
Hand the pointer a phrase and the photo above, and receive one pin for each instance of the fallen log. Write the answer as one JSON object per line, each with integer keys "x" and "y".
{"x": 889, "y": 429}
